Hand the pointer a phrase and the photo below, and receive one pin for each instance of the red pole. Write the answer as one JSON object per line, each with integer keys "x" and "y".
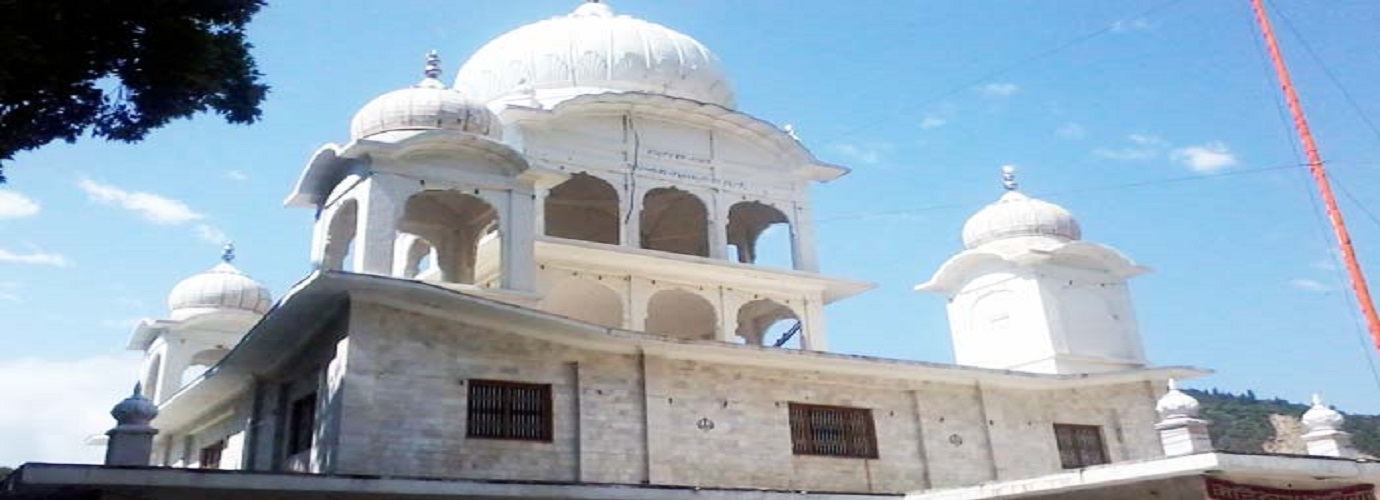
{"x": 1315, "y": 165}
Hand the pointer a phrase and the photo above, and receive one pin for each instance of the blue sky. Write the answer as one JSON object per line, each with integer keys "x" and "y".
{"x": 1158, "y": 123}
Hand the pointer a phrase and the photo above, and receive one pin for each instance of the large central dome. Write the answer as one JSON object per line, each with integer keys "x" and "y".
{"x": 592, "y": 51}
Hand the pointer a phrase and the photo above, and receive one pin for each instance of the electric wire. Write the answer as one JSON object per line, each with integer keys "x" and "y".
{"x": 1319, "y": 222}
{"x": 1308, "y": 48}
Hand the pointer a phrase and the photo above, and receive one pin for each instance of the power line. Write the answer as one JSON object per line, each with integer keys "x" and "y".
{"x": 1346, "y": 95}
{"x": 1001, "y": 70}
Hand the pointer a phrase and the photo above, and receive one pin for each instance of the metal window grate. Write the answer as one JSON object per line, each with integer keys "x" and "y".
{"x": 832, "y": 431}
{"x": 1080, "y": 445}
{"x": 302, "y": 424}
{"x": 210, "y": 455}
{"x": 509, "y": 410}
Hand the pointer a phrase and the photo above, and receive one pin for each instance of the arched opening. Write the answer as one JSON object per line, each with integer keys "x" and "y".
{"x": 674, "y": 221}
{"x": 201, "y": 362}
{"x": 585, "y": 300}
{"x": 418, "y": 257}
{"x": 152, "y": 373}
{"x": 583, "y": 208}
{"x": 770, "y": 323}
{"x": 681, "y": 314}
{"x": 340, "y": 236}
{"x": 463, "y": 232}
{"x": 758, "y": 233}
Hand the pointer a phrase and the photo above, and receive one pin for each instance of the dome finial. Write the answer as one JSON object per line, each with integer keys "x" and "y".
{"x": 227, "y": 253}
{"x": 1008, "y": 177}
{"x": 433, "y": 65}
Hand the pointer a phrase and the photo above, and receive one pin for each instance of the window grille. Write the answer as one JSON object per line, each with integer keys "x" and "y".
{"x": 509, "y": 410}
{"x": 302, "y": 424}
{"x": 832, "y": 431}
{"x": 210, "y": 455}
{"x": 1080, "y": 445}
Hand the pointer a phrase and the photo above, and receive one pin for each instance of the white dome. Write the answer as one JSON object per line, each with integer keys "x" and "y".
{"x": 428, "y": 105}
{"x": 1177, "y": 404}
{"x": 218, "y": 289}
{"x": 592, "y": 51}
{"x": 1017, "y": 215}
{"x": 1321, "y": 418}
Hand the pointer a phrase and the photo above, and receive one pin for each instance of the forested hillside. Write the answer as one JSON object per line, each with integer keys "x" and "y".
{"x": 1245, "y": 423}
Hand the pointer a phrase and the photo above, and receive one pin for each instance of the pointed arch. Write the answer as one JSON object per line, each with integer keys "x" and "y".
{"x": 675, "y": 221}
{"x": 765, "y": 321}
{"x": 747, "y": 222}
{"x": 583, "y": 207}
{"x": 462, "y": 229}
{"x": 681, "y": 314}
{"x": 340, "y": 235}
{"x": 153, "y": 374}
{"x": 585, "y": 300}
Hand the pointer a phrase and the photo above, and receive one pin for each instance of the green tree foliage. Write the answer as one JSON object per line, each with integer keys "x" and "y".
{"x": 5, "y": 472}
{"x": 1241, "y": 422}
{"x": 117, "y": 69}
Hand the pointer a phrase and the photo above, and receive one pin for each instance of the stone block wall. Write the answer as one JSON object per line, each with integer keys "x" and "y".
{"x": 650, "y": 418}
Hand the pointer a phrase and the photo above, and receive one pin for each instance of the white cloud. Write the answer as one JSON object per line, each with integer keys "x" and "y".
{"x": 1145, "y": 147}
{"x": 152, "y": 207}
{"x": 1308, "y": 285}
{"x": 210, "y": 234}
{"x": 1125, "y": 154}
{"x": 1147, "y": 140}
{"x": 236, "y": 175}
{"x": 1140, "y": 24}
{"x": 9, "y": 291}
{"x": 125, "y": 324}
{"x": 36, "y": 258}
{"x": 932, "y": 121}
{"x": 1205, "y": 158}
{"x": 1071, "y": 131}
{"x": 53, "y": 405}
{"x": 999, "y": 89}
{"x": 14, "y": 205}
{"x": 861, "y": 153}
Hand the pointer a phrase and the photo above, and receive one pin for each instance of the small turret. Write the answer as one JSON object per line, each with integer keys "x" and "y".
{"x": 131, "y": 441}
{"x": 1324, "y": 435}
{"x": 1181, "y": 431}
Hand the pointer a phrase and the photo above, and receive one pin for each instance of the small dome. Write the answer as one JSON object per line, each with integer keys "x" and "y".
{"x": 593, "y": 51}
{"x": 135, "y": 410}
{"x": 1176, "y": 404}
{"x": 1016, "y": 215}
{"x": 222, "y": 287}
{"x": 1321, "y": 418}
{"x": 428, "y": 105}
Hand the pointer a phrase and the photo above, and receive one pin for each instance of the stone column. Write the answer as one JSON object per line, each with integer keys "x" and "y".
{"x": 131, "y": 441}
{"x": 1181, "y": 431}
{"x": 377, "y": 226}
{"x": 1324, "y": 436}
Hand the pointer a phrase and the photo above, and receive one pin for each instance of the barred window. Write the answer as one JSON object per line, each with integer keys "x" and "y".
{"x": 509, "y": 410}
{"x": 301, "y": 424}
{"x": 1080, "y": 445}
{"x": 210, "y": 455}
{"x": 833, "y": 431}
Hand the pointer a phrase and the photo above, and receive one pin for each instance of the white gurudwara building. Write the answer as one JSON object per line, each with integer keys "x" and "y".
{"x": 543, "y": 281}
